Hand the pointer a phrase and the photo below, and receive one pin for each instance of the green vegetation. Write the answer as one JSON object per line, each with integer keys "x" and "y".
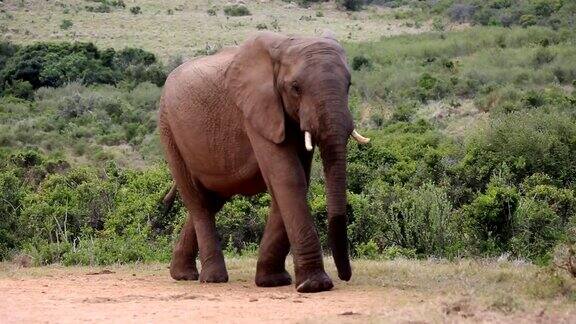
{"x": 54, "y": 64}
{"x": 555, "y": 13}
{"x": 351, "y": 5}
{"x": 135, "y": 10}
{"x": 211, "y": 12}
{"x": 506, "y": 13}
{"x": 236, "y": 10}
{"x": 66, "y": 24}
{"x": 105, "y": 6}
{"x": 473, "y": 137}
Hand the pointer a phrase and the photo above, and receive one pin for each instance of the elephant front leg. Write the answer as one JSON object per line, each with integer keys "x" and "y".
{"x": 286, "y": 180}
{"x": 270, "y": 270}
{"x": 290, "y": 194}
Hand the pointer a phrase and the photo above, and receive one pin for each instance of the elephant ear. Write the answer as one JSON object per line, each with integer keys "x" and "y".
{"x": 251, "y": 80}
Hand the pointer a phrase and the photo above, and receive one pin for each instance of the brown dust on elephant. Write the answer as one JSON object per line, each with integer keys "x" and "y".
{"x": 245, "y": 121}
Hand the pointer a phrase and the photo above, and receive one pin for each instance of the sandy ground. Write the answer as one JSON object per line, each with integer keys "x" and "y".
{"x": 124, "y": 294}
{"x": 121, "y": 296}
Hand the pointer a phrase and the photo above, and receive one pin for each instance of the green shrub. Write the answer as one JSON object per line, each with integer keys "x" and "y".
{"x": 242, "y": 221}
{"x": 350, "y": 5}
{"x": 66, "y": 24}
{"x": 527, "y": 143}
{"x": 404, "y": 113}
{"x": 360, "y": 62}
{"x": 367, "y": 250}
{"x": 306, "y": 3}
{"x": 461, "y": 13}
{"x": 543, "y": 56}
{"x": 54, "y": 64}
{"x": 136, "y": 10}
{"x": 562, "y": 201}
{"x": 132, "y": 56}
{"x": 490, "y": 218}
{"x": 508, "y": 13}
{"x": 394, "y": 252}
{"x": 101, "y": 8}
{"x": 20, "y": 89}
{"x": 11, "y": 193}
{"x": 118, "y": 3}
{"x": 537, "y": 229}
{"x": 211, "y": 12}
{"x": 236, "y": 10}
{"x": 7, "y": 50}
{"x": 418, "y": 219}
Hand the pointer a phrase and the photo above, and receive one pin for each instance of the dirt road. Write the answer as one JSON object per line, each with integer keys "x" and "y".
{"x": 133, "y": 294}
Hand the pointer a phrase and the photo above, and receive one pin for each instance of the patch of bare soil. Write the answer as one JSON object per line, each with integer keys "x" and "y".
{"x": 127, "y": 295}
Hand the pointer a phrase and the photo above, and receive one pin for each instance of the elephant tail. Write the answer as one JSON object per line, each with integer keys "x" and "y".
{"x": 169, "y": 198}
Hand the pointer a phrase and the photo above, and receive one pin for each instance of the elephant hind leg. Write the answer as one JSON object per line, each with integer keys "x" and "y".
{"x": 183, "y": 263}
{"x": 199, "y": 232}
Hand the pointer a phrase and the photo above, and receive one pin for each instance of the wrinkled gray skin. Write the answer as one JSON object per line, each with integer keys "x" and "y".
{"x": 233, "y": 123}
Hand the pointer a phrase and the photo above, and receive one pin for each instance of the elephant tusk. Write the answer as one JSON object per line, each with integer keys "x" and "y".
{"x": 359, "y": 138}
{"x": 308, "y": 141}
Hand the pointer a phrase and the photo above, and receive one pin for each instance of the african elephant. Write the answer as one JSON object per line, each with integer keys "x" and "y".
{"x": 243, "y": 121}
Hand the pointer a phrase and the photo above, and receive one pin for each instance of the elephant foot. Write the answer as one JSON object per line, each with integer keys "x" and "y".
{"x": 214, "y": 275}
{"x": 316, "y": 282}
{"x": 183, "y": 272}
{"x": 273, "y": 279}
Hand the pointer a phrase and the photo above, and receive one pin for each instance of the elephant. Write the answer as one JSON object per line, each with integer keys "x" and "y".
{"x": 244, "y": 121}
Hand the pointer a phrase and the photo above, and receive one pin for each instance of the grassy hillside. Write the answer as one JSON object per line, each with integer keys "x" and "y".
{"x": 449, "y": 77}
{"x": 182, "y": 28}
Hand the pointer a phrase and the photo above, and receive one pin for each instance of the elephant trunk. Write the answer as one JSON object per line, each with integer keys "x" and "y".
{"x": 333, "y": 152}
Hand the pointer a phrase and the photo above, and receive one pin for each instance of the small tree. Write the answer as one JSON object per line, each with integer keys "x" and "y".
{"x": 236, "y": 10}
{"x": 66, "y": 24}
{"x": 136, "y": 10}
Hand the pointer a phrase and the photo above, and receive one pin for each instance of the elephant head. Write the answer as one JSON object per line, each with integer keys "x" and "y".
{"x": 273, "y": 78}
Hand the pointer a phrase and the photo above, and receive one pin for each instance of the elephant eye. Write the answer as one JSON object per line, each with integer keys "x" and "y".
{"x": 296, "y": 88}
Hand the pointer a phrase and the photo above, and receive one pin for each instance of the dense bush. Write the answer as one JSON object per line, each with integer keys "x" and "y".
{"x": 54, "y": 64}
{"x": 101, "y": 8}
{"x": 351, "y": 5}
{"x": 510, "y": 12}
{"x": 236, "y": 10}
{"x": 66, "y": 24}
{"x": 359, "y": 62}
{"x": 83, "y": 215}
{"x": 105, "y": 6}
{"x": 420, "y": 219}
{"x": 306, "y": 3}
{"x": 526, "y": 143}
{"x": 136, "y": 10}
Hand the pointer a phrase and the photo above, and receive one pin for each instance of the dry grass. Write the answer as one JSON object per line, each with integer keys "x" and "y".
{"x": 188, "y": 27}
{"x": 455, "y": 120}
